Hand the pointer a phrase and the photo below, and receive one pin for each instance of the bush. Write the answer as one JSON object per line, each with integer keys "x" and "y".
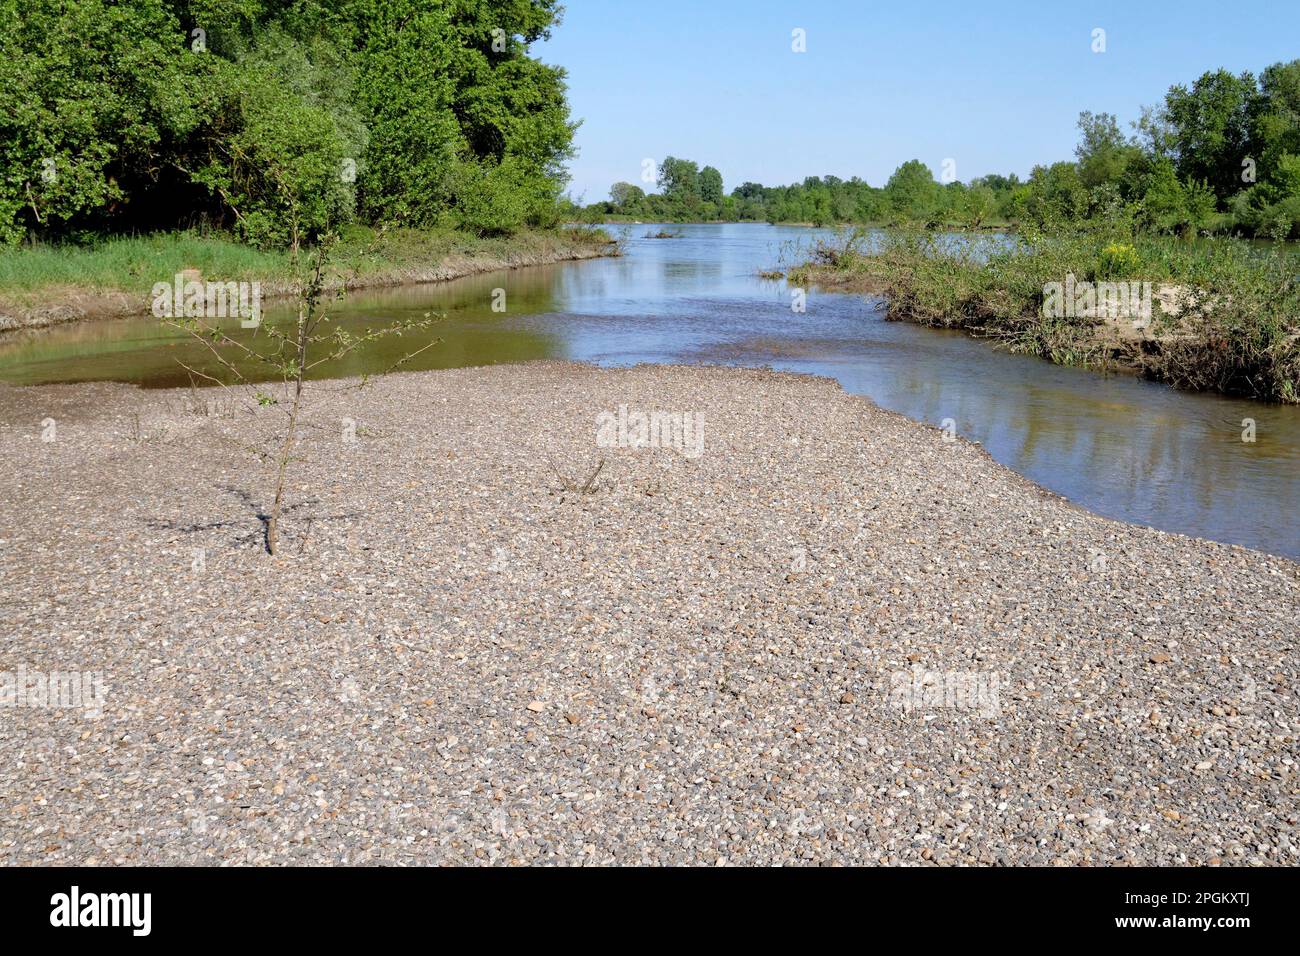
{"x": 1239, "y": 333}
{"x": 95, "y": 94}
{"x": 276, "y": 160}
{"x": 1117, "y": 260}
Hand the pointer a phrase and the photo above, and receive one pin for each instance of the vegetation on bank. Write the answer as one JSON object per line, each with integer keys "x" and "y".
{"x": 1225, "y": 316}
{"x": 146, "y": 139}
{"x": 277, "y": 122}
{"x": 37, "y": 275}
{"x": 1219, "y": 157}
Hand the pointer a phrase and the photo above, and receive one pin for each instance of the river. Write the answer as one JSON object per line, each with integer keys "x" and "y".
{"x": 1122, "y": 447}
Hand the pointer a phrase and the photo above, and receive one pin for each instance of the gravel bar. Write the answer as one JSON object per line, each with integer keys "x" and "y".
{"x": 834, "y": 636}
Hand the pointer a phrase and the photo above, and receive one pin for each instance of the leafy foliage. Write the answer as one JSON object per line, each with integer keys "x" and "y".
{"x": 246, "y": 114}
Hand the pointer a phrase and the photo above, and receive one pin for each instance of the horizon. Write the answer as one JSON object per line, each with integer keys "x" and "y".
{"x": 760, "y": 112}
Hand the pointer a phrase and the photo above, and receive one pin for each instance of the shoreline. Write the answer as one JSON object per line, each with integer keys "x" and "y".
{"x": 63, "y": 305}
{"x": 1187, "y": 338}
{"x": 690, "y": 659}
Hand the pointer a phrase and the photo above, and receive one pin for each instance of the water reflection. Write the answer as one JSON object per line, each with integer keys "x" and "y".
{"x": 1129, "y": 449}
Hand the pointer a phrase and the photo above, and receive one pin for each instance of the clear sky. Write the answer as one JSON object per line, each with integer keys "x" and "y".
{"x": 996, "y": 85}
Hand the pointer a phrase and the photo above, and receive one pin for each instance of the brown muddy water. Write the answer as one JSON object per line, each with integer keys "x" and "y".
{"x": 1125, "y": 448}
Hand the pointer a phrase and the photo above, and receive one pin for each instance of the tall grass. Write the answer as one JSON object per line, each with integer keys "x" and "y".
{"x": 1238, "y": 331}
{"x": 129, "y": 262}
{"x": 132, "y": 264}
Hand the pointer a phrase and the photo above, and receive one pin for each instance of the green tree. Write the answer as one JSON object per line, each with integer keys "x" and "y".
{"x": 1103, "y": 152}
{"x": 1209, "y": 128}
{"x": 624, "y": 196}
{"x": 1275, "y": 129}
{"x": 1169, "y": 204}
{"x": 710, "y": 182}
{"x": 158, "y": 113}
{"x": 679, "y": 179}
{"x": 1055, "y": 195}
{"x": 912, "y": 193}
{"x": 96, "y": 94}
{"x": 978, "y": 204}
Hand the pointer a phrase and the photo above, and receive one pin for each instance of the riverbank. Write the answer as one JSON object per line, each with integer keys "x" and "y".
{"x": 799, "y": 646}
{"x": 45, "y": 286}
{"x": 1213, "y": 316}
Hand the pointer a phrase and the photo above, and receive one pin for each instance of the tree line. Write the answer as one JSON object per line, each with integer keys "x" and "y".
{"x": 1221, "y": 156}
{"x": 253, "y": 115}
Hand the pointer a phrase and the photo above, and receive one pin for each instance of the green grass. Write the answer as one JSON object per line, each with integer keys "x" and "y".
{"x": 129, "y": 263}
{"x": 1239, "y": 336}
{"x": 30, "y": 274}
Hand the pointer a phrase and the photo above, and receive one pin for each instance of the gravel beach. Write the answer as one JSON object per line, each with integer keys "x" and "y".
{"x": 833, "y": 636}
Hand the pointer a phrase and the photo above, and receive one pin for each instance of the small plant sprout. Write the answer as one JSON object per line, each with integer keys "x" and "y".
{"x": 588, "y": 487}
{"x": 294, "y": 350}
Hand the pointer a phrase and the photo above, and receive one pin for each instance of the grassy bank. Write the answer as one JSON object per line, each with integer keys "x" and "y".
{"x": 1224, "y": 316}
{"x": 44, "y": 284}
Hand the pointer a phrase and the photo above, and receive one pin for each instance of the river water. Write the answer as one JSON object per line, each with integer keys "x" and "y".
{"x": 1125, "y": 448}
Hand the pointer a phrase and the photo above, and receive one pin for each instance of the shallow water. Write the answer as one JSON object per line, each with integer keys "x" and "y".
{"x": 1124, "y": 448}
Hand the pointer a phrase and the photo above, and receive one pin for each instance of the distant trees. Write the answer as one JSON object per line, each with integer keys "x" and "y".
{"x": 1220, "y": 155}
{"x": 691, "y": 193}
{"x": 679, "y": 180}
{"x": 912, "y": 192}
{"x": 625, "y": 196}
{"x": 710, "y": 182}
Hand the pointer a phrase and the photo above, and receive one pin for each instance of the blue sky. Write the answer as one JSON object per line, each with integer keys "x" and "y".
{"x": 996, "y": 86}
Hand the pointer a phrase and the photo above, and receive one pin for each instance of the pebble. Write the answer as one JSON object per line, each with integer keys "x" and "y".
{"x": 700, "y": 622}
